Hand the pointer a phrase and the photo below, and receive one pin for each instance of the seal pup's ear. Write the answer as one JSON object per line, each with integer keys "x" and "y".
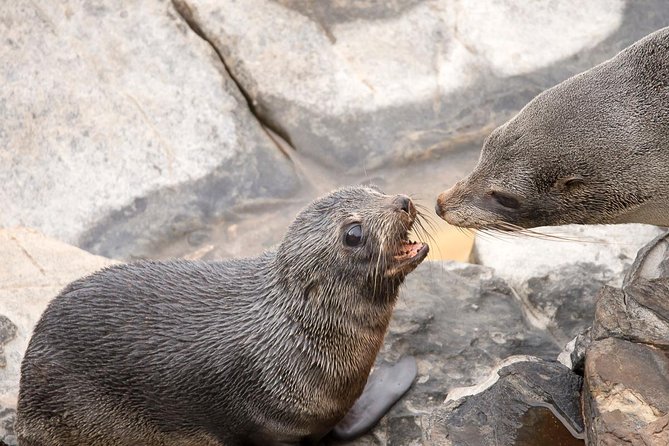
{"x": 569, "y": 182}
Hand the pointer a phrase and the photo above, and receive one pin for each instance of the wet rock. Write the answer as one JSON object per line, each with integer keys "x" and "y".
{"x": 362, "y": 85}
{"x": 558, "y": 276}
{"x": 33, "y": 270}
{"x": 507, "y": 408}
{"x": 460, "y": 321}
{"x": 626, "y": 394}
{"x": 120, "y": 127}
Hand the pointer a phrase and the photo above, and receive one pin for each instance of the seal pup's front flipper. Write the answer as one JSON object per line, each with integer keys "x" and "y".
{"x": 385, "y": 386}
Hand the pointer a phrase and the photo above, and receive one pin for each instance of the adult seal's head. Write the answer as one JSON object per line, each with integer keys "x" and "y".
{"x": 593, "y": 149}
{"x": 268, "y": 350}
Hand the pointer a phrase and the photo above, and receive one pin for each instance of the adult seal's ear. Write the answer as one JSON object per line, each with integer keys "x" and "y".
{"x": 384, "y": 388}
{"x": 593, "y": 149}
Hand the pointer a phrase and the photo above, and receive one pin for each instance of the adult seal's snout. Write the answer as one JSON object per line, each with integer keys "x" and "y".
{"x": 593, "y": 149}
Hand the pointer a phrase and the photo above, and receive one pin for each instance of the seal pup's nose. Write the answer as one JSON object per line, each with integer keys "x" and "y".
{"x": 405, "y": 204}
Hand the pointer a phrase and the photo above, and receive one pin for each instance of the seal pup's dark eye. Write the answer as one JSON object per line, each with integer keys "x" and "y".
{"x": 353, "y": 236}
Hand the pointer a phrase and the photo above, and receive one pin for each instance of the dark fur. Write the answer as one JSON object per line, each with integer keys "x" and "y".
{"x": 267, "y": 350}
{"x": 593, "y": 149}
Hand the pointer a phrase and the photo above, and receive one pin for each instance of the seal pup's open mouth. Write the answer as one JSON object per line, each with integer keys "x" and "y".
{"x": 408, "y": 256}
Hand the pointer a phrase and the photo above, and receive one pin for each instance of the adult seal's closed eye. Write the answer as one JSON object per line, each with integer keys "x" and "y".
{"x": 265, "y": 351}
{"x": 593, "y": 149}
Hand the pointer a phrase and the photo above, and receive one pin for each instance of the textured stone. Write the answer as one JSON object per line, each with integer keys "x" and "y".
{"x": 557, "y": 276}
{"x": 626, "y": 394}
{"x": 460, "y": 321}
{"x": 361, "y": 85}
{"x": 518, "y": 259}
{"x": 33, "y": 269}
{"x": 120, "y": 127}
{"x": 503, "y": 411}
{"x": 640, "y": 310}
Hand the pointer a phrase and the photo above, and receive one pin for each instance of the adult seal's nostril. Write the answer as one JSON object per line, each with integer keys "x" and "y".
{"x": 405, "y": 204}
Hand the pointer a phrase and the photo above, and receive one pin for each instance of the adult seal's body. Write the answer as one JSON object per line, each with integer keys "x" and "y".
{"x": 593, "y": 149}
{"x": 267, "y": 350}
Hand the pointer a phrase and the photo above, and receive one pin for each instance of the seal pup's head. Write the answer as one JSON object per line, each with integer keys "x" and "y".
{"x": 355, "y": 238}
{"x": 591, "y": 150}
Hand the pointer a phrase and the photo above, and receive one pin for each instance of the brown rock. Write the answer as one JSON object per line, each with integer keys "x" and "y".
{"x": 626, "y": 394}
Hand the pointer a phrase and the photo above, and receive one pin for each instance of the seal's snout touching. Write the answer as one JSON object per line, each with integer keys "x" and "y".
{"x": 592, "y": 150}
{"x": 273, "y": 349}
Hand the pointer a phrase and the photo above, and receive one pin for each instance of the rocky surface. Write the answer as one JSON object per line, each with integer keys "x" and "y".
{"x": 33, "y": 269}
{"x": 626, "y": 392}
{"x": 125, "y": 132}
{"x": 460, "y": 322}
{"x": 524, "y": 402}
{"x": 558, "y": 271}
{"x": 360, "y": 85}
{"x": 121, "y": 127}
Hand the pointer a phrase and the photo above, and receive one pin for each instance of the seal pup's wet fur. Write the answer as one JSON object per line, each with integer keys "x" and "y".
{"x": 267, "y": 350}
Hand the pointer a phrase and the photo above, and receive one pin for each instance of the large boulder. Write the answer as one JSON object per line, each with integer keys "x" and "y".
{"x": 360, "y": 85}
{"x": 120, "y": 127}
{"x": 33, "y": 270}
{"x": 626, "y": 391}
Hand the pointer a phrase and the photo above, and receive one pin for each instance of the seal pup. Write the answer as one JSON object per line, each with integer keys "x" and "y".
{"x": 258, "y": 351}
{"x": 593, "y": 149}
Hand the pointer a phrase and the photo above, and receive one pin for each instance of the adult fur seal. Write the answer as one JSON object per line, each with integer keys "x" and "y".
{"x": 593, "y": 149}
{"x": 264, "y": 351}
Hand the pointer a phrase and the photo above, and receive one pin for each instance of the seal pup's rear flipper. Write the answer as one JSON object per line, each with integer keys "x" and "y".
{"x": 384, "y": 387}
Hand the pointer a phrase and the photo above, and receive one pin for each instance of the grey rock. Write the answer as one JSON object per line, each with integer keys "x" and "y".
{"x": 565, "y": 298}
{"x": 7, "y": 332}
{"x": 522, "y": 396}
{"x": 33, "y": 269}
{"x": 519, "y": 258}
{"x": 639, "y": 311}
{"x": 360, "y": 85}
{"x": 626, "y": 394}
{"x": 460, "y": 322}
{"x": 558, "y": 274}
{"x": 652, "y": 261}
{"x": 120, "y": 127}
{"x": 573, "y": 354}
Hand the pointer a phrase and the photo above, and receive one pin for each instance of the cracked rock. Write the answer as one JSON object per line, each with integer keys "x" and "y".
{"x": 121, "y": 128}
{"x": 524, "y": 402}
{"x": 360, "y": 85}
